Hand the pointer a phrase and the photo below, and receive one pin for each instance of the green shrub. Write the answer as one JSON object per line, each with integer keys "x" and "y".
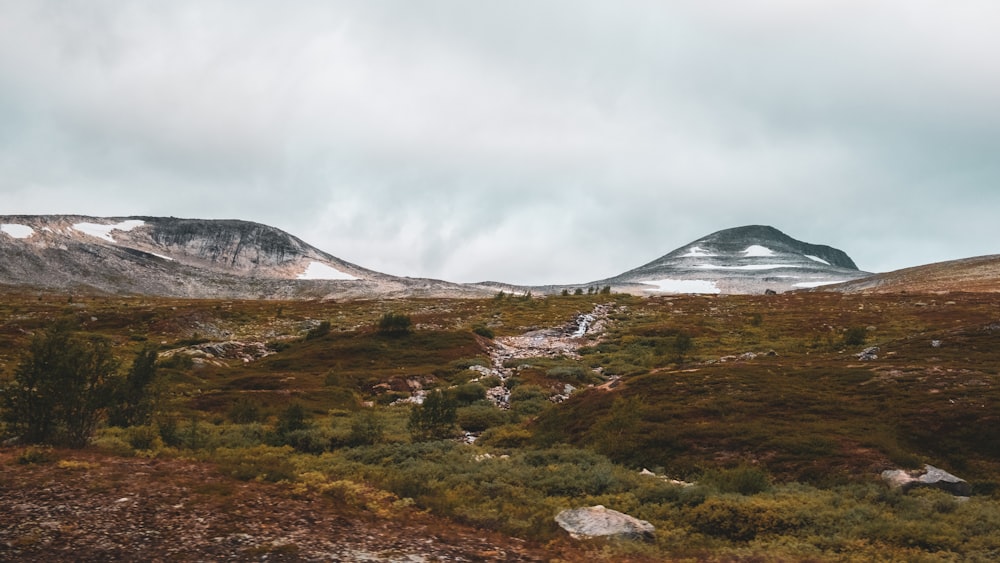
{"x": 35, "y": 454}
{"x": 245, "y": 410}
{"x": 394, "y": 324}
{"x": 367, "y": 428}
{"x": 467, "y": 393}
{"x": 435, "y": 418}
{"x": 477, "y": 418}
{"x": 483, "y": 331}
{"x": 507, "y": 436}
{"x": 744, "y": 480}
{"x": 855, "y": 336}
{"x": 264, "y": 463}
{"x": 146, "y": 438}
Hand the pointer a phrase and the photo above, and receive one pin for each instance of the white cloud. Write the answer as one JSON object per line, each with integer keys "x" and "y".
{"x": 556, "y": 142}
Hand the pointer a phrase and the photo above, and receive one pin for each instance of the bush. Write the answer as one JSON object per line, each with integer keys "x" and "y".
{"x": 319, "y": 331}
{"x": 508, "y": 436}
{"x": 855, "y": 336}
{"x": 145, "y": 438}
{"x": 480, "y": 417}
{"x": 744, "y": 480}
{"x": 245, "y": 410}
{"x": 483, "y": 331}
{"x": 264, "y": 463}
{"x": 467, "y": 393}
{"x": 61, "y": 387}
{"x": 367, "y": 429}
{"x": 435, "y": 418}
{"x": 394, "y": 324}
{"x": 292, "y": 419}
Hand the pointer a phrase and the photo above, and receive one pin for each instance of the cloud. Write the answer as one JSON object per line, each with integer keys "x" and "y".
{"x": 523, "y": 142}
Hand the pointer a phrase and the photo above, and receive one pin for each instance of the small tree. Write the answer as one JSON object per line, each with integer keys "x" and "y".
{"x": 134, "y": 398}
{"x": 291, "y": 419}
{"x": 434, "y": 418}
{"x": 61, "y": 387}
{"x": 394, "y": 324}
{"x": 367, "y": 429}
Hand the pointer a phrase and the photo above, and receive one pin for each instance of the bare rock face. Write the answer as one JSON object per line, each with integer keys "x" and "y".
{"x": 931, "y": 477}
{"x": 598, "y": 521}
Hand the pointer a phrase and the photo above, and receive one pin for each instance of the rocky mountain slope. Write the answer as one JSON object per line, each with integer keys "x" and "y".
{"x": 976, "y": 275}
{"x": 751, "y": 259}
{"x": 187, "y": 258}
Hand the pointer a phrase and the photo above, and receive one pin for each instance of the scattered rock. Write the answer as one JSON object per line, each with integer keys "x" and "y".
{"x": 598, "y": 521}
{"x": 869, "y": 354}
{"x": 931, "y": 477}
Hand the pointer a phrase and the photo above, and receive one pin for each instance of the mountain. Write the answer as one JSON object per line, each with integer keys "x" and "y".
{"x": 187, "y": 258}
{"x": 750, "y": 259}
{"x": 975, "y": 275}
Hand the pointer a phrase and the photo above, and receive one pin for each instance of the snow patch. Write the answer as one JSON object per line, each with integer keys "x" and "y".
{"x": 167, "y": 258}
{"x": 817, "y": 259}
{"x": 683, "y": 286}
{"x": 816, "y": 283}
{"x": 697, "y": 252}
{"x": 758, "y": 250}
{"x": 17, "y": 231}
{"x": 104, "y": 231}
{"x": 746, "y": 267}
{"x": 320, "y": 271}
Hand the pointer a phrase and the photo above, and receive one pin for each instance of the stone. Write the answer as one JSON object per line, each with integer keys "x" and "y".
{"x": 869, "y": 354}
{"x": 598, "y": 521}
{"x": 931, "y": 477}
{"x": 935, "y": 343}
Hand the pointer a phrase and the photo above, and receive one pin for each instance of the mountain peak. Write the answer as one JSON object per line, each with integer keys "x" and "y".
{"x": 748, "y": 259}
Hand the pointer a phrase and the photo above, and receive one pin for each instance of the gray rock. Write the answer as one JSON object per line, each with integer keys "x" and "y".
{"x": 869, "y": 354}
{"x": 598, "y": 521}
{"x": 931, "y": 477}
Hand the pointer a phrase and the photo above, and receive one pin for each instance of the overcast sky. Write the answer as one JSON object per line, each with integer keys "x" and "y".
{"x": 528, "y": 142}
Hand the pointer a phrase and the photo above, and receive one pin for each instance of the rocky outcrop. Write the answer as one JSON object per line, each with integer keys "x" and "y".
{"x": 930, "y": 477}
{"x": 598, "y": 521}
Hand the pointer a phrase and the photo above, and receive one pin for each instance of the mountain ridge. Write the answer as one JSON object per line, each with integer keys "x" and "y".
{"x": 231, "y": 258}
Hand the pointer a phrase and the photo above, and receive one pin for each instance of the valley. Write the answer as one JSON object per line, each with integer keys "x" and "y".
{"x": 741, "y": 426}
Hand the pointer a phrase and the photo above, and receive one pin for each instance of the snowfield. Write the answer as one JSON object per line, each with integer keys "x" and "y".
{"x": 17, "y": 231}
{"x": 104, "y": 231}
{"x": 320, "y": 271}
{"x": 683, "y": 286}
{"x": 758, "y": 250}
{"x": 746, "y": 267}
{"x": 697, "y": 252}
{"x": 817, "y": 259}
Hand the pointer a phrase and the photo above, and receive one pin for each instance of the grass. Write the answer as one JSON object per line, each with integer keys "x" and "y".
{"x": 785, "y": 443}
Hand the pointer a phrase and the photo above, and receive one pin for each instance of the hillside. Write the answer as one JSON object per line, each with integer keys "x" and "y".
{"x": 741, "y": 260}
{"x": 978, "y": 275}
{"x": 187, "y": 258}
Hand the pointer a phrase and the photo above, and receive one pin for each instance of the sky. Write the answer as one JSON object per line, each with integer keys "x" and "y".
{"x": 528, "y": 142}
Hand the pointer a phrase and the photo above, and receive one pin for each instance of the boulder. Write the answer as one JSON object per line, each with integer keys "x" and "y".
{"x": 931, "y": 477}
{"x": 598, "y": 521}
{"x": 868, "y": 354}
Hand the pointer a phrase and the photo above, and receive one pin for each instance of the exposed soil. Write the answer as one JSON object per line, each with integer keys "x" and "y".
{"x": 92, "y": 507}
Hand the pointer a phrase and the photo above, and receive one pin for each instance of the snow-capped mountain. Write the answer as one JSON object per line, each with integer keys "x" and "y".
{"x": 186, "y": 258}
{"x": 751, "y": 259}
